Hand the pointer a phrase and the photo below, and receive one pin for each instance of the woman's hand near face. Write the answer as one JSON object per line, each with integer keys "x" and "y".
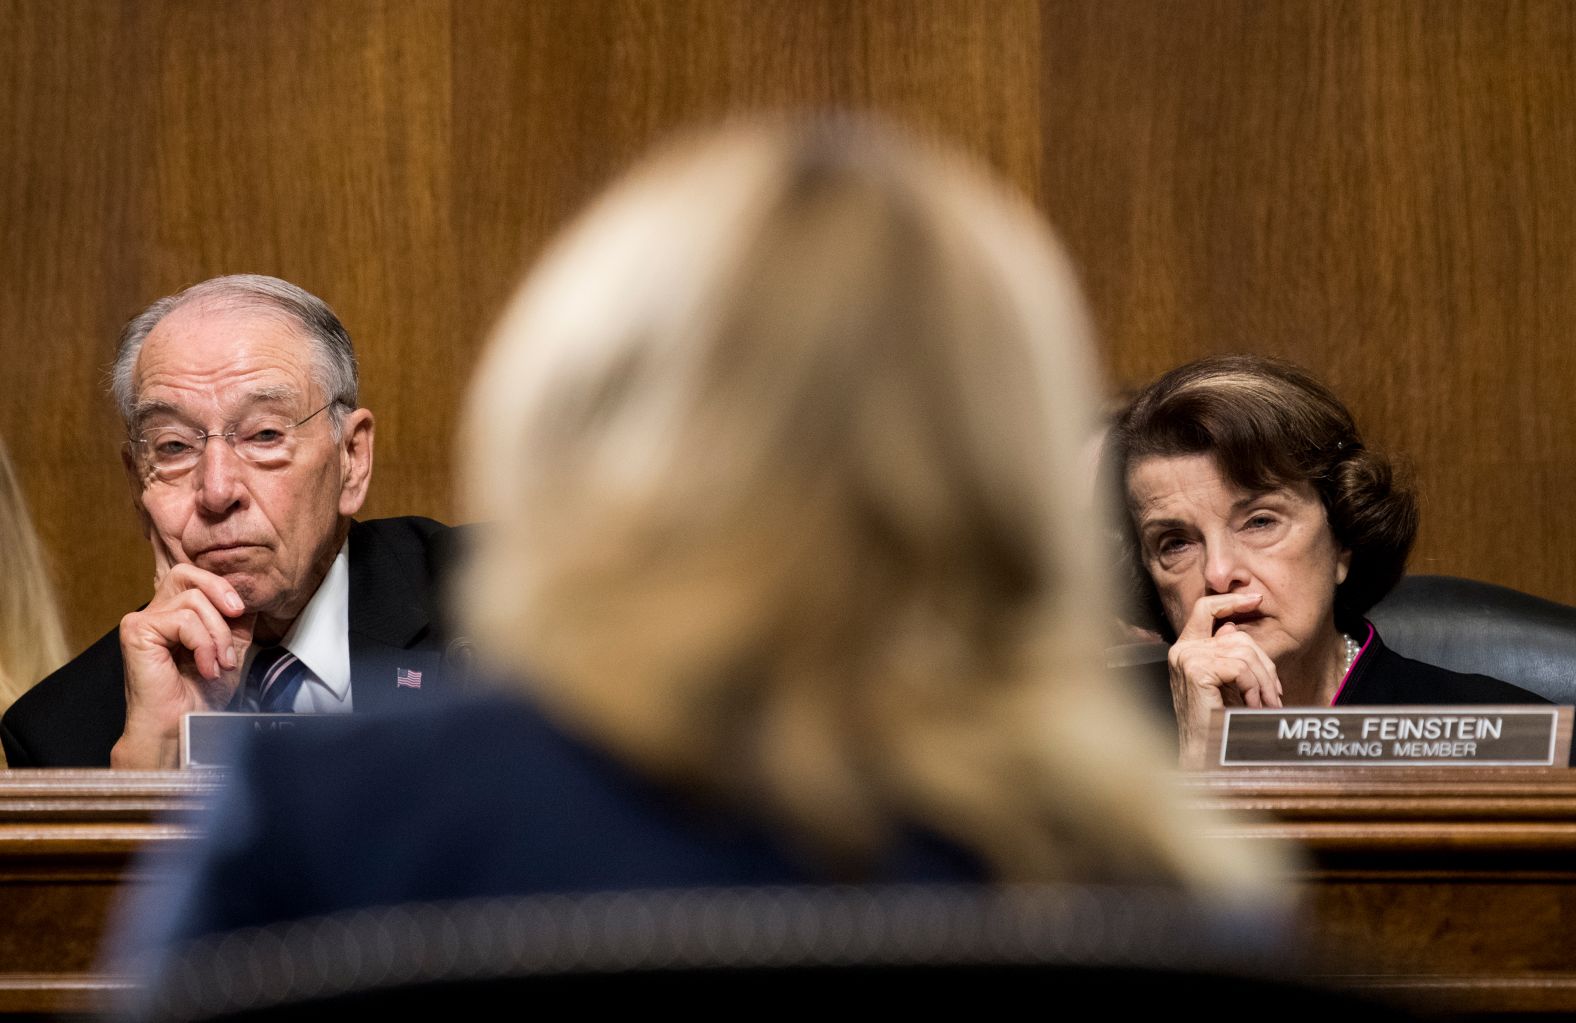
{"x": 1211, "y": 668}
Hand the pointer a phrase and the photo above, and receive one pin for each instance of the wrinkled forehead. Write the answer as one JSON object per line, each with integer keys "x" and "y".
{"x": 212, "y": 357}
{"x": 1163, "y": 481}
{"x": 1163, "y": 486}
{"x": 232, "y": 407}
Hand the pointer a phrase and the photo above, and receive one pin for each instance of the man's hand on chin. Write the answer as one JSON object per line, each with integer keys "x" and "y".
{"x": 183, "y": 653}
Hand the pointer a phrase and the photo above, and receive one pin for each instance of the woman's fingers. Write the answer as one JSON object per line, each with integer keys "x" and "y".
{"x": 1230, "y": 662}
{"x": 1270, "y": 673}
{"x": 1207, "y": 612}
{"x": 1257, "y": 671}
{"x": 1214, "y": 663}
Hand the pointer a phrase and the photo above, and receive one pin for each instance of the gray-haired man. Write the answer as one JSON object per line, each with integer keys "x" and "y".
{"x": 248, "y": 455}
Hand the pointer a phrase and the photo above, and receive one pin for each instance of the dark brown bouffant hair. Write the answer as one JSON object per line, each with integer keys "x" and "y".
{"x": 1268, "y": 424}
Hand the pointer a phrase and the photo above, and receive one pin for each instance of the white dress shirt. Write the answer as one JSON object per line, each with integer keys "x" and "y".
{"x": 320, "y": 639}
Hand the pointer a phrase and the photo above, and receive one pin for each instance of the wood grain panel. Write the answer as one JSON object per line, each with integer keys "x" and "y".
{"x": 554, "y": 99}
{"x": 1378, "y": 191}
{"x": 311, "y": 141}
{"x": 66, "y": 93}
{"x": 401, "y": 158}
{"x": 68, "y": 841}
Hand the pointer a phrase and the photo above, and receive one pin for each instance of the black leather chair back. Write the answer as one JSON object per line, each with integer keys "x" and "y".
{"x": 1483, "y": 629}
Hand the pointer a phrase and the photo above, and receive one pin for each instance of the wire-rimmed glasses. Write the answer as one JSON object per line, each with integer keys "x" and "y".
{"x": 172, "y": 450}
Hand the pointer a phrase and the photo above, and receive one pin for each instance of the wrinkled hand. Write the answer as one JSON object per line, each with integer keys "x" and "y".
{"x": 1211, "y": 668}
{"x": 183, "y": 653}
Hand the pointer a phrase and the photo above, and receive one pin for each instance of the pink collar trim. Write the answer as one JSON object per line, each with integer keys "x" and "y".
{"x": 1353, "y": 666}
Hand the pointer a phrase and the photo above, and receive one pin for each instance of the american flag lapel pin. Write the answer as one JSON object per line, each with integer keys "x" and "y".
{"x": 407, "y": 678}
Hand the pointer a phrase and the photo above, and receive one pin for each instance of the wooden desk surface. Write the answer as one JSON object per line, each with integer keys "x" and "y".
{"x": 1453, "y": 886}
{"x": 67, "y": 840}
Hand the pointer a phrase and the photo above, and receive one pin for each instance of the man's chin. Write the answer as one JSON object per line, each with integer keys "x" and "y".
{"x": 228, "y": 561}
{"x": 258, "y": 588}
{"x": 256, "y": 594}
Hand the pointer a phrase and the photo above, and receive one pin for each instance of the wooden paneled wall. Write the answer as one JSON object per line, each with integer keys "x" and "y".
{"x": 1381, "y": 191}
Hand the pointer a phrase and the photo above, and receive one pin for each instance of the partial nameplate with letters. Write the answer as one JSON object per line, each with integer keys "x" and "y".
{"x": 210, "y": 738}
{"x": 1505, "y": 736}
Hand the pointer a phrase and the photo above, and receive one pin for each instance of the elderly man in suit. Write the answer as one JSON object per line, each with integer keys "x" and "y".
{"x": 248, "y": 455}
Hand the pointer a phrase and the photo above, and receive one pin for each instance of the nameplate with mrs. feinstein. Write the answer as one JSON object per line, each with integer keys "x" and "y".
{"x": 1518, "y": 736}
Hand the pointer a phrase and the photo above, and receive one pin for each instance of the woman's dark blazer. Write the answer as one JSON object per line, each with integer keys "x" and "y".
{"x": 485, "y": 797}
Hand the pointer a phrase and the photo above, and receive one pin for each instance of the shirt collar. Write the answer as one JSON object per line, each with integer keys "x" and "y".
{"x": 320, "y": 636}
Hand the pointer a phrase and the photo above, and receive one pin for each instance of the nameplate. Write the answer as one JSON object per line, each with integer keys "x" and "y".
{"x": 1482, "y": 736}
{"x": 211, "y": 738}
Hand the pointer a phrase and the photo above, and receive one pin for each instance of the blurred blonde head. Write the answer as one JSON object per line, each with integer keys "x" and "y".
{"x": 31, "y": 641}
{"x": 782, "y": 442}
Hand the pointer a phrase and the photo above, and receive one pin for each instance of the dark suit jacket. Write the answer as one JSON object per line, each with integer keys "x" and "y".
{"x": 482, "y": 797}
{"x": 398, "y": 569}
{"x": 1383, "y": 677}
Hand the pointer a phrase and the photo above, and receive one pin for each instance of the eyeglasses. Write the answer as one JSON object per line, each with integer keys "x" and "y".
{"x": 171, "y": 451}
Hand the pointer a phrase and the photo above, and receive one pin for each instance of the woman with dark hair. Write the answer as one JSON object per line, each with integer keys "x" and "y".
{"x": 1259, "y": 531}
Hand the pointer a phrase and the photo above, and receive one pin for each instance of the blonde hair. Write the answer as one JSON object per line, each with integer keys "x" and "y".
{"x": 779, "y": 441}
{"x": 31, "y": 641}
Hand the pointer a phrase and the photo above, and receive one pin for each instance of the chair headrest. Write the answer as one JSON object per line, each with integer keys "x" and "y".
{"x": 1483, "y": 629}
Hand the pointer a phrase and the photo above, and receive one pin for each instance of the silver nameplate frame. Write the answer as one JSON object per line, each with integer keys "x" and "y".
{"x": 1464, "y": 736}
{"x": 211, "y": 738}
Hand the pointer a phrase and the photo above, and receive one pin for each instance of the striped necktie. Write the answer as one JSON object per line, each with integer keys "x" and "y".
{"x": 272, "y": 684}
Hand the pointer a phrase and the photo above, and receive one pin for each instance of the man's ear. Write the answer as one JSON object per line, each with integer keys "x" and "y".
{"x": 355, "y": 458}
{"x": 134, "y": 477}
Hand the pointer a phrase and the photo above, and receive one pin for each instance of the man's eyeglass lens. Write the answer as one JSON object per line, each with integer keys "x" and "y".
{"x": 266, "y": 441}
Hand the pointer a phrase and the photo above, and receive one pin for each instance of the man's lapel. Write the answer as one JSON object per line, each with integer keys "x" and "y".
{"x": 385, "y": 678}
{"x": 389, "y": 585}
{"x": 389, "y": 619}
